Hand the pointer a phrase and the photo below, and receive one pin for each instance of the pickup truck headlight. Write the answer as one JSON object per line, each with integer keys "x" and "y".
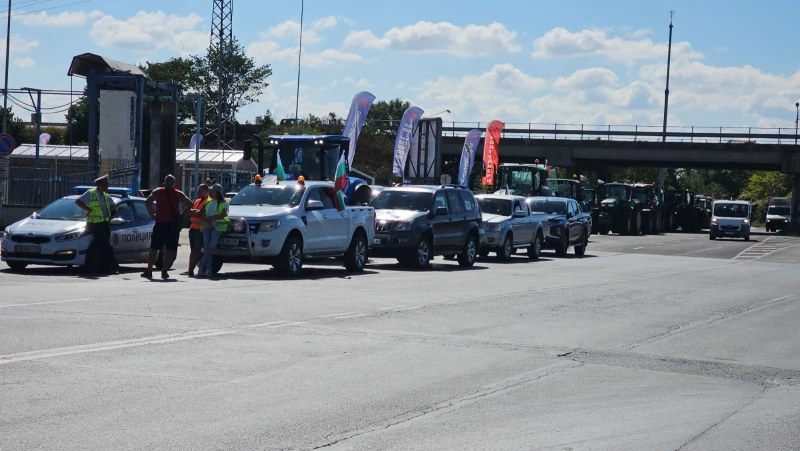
{"x": 494, "y": 227}
{"x": 70, "y": 236}
{"x": 238, "y": 226}
{"x": 269, "y": 226}
{"x": 402, "y": 226}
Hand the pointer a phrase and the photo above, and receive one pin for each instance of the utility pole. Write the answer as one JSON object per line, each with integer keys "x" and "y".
{"x": 666, "y": 98}
{"x": 221, "y": 112}
{"x": 8, "y": 48}
{"x": 299, "y": 56}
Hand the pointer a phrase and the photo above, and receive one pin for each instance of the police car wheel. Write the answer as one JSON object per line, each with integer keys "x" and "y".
{"x": 17, "y": 266}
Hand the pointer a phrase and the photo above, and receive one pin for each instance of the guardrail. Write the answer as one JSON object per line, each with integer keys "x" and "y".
{"x": 686, "y": 134}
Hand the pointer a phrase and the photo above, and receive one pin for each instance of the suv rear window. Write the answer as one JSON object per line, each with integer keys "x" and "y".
{"x": 469, "y": 200}
{"x": 455, "y": 202}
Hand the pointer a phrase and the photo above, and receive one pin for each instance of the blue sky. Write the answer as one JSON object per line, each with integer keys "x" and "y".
{"x": 735, "y": 63}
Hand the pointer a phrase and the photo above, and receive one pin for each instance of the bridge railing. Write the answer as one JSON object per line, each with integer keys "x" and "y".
{"x": 685, "y": 134}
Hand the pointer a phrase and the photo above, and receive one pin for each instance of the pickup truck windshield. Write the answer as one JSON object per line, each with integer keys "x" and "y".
{"x": 500, "y": 207}
{"x": 550, "y": 208}
{"x": 731, "y": 210}
{"x": 403, "y": 200}
{"x": 63, "y": 209}
{"x": 783, "y": 211}
{"x": 275, "y": 195}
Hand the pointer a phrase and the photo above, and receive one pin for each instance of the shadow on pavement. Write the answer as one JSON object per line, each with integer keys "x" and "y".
{"x": 308, "y": 273}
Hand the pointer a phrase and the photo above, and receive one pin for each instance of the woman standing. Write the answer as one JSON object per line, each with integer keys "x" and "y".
{"x": 215, "y": 222}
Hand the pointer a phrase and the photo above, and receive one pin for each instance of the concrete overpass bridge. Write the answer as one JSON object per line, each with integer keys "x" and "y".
{"x": 607, "y": 148}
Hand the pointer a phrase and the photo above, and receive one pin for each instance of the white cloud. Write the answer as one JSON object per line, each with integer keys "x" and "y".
{"x": 561, "y": 43}
{"x": 290, "y": 30}
{"x": 20, "y": 44}
{"x": 439, "y": 38}
{"x": 363, "y": 83}
{"x": 24, "y": 63}
{"x": 502, "y": 92}
{"x": 586, "y": 79}
{"x": 151, "y": 31}
{"x": 62, "y": 19}
{"x": 270, "y": 51}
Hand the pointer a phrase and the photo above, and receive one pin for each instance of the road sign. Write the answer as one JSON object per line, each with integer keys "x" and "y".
{"x": 7, "y": 144}
{"x": 446, "y": 179}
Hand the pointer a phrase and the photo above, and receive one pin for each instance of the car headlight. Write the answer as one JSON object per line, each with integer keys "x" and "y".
{"x": 402, "y": 226}
{"x": 69, "y": 236}
{"x": 269, "y": 226}
{"x": 238, "y": 226}
{"x": 746, "y": 221}
{"x": 714, "y": 220}
{"x": 6, "y": 234}
{"x": 494, "y": 227}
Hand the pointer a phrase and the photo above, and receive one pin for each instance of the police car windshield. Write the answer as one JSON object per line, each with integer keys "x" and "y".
{"x": 63, "y": 209}
{"x": 274, "y": 195}
{"x": 403, "y": 200}
{"x": 550, "y": 208}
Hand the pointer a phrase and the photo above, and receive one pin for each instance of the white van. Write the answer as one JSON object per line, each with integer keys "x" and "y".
{"x": 730, "y": 218}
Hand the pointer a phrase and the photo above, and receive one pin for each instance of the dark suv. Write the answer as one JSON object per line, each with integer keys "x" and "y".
{"x": 413, "y": 223}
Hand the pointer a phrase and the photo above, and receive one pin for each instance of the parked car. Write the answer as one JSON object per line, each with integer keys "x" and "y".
{"x": 509, "y": 225}
{"x": 286, "y": 224}
{"x": 778, "y": 217}
{"x": 730, "y": 218}
{"x": 569, "y": 226}
{"x": 414, "y": 223}
{"x": 56, "y": 235}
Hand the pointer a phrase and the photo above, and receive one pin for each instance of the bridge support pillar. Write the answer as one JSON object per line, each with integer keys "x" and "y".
{"x": 795, "y": 217}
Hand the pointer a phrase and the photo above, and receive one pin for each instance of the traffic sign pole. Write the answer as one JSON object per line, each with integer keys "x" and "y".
{"x": 7, "y": 146}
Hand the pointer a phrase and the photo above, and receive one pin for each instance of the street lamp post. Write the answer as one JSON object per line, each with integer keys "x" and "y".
{"x": 796, "y": 121}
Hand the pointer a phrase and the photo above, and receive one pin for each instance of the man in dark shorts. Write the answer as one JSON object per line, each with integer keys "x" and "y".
{"x": 166, "y": 232}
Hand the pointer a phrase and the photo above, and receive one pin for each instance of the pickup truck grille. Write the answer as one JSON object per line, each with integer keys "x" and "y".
{"x": 383, "y": 226}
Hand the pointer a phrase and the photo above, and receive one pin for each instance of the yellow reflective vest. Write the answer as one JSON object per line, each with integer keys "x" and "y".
{"x": 221, "y": 224}
{"x": 97, "y": 214}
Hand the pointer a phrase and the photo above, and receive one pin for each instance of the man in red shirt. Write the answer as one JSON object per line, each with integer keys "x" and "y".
{"x": 166, "y": 231}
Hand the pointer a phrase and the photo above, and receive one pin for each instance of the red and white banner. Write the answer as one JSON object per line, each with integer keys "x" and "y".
{"x": 490, "y": 152}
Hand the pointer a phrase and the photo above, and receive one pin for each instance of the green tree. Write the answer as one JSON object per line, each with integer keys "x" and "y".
{"x": 17, "y": 128}
{"x": 764, "y": 184}
{"x": 196, "y": 75}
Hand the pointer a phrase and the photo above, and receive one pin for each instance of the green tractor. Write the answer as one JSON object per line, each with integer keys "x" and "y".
{"x": 620, "y": 211}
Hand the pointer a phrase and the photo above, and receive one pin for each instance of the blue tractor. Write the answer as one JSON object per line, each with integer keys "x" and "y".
{"x": 314, "y": 157}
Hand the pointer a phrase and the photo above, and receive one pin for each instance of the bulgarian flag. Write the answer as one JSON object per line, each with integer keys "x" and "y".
{"x": 339, "y": 182}
{"x": 279, "y": 168}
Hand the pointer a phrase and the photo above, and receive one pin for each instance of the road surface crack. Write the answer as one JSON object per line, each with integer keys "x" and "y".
{"x": 747, "y": 404}
{"x": 451, "y": 405}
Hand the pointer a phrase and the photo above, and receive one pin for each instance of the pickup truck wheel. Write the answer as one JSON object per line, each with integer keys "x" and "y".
{"x": 563, "y": 247}
{"x": 422, "y": 257}
{"x": 356, "y": 256}
{"x": 535, "y": 250}
{"x": 216, "y": 264}
{"x": 505, "y": 252}
{"x": 467, "y": 257}
{"x": 580, "y": 249}
{"x": 17, "y": 266}
{"x": 290, "y": 260}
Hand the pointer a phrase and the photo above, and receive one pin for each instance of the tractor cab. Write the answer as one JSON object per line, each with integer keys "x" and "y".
{"x": 521, "y": 179}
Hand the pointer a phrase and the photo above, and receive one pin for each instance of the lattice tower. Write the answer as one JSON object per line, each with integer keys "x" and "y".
{"x": 220, "y": 118}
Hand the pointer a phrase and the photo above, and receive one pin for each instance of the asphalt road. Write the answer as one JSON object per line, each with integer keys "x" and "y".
{"x": 650, "y": 342}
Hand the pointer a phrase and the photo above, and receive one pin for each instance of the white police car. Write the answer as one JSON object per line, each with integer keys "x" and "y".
{"x": 56, "y": 235}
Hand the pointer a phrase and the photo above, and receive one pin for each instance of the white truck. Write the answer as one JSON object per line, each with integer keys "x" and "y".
{"x": 779, "y": 213}
{"x": 286, "y": 223}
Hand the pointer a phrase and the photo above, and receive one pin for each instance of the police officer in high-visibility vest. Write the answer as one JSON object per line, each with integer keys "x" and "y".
{"x": 99, "y": 209}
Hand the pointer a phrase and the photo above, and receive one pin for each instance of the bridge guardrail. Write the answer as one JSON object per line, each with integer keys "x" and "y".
{"x": 761, "y": 135}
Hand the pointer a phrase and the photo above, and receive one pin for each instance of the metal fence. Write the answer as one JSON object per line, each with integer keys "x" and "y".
{"x": 39, "y": 187}
{"x": 231, "y": 181}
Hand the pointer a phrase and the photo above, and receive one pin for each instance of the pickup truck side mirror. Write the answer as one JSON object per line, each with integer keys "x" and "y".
{"x": 441, "y": 211}
{"x": 314, "y": 205}
{"x": 117, "y": 221}
{"x": 520, "y": 214}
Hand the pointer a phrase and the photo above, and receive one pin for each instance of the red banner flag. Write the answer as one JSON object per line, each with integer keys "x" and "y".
{"x": 490, "y": 152}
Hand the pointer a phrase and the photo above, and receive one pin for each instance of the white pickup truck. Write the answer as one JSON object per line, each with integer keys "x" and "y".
{"x": 284, "y": 224}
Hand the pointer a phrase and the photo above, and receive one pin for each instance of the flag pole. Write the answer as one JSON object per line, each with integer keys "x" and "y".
{"x": 299, "y": 56}
{"x": 661, "y": 172}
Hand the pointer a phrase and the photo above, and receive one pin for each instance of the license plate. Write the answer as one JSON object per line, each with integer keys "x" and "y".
{"x": 28, "y": 249}
{"x": 377, "y": 241}
{"x": 229, "y": 241}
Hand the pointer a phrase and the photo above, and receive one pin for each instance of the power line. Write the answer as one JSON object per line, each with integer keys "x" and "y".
{"x": 46, "y": 9}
